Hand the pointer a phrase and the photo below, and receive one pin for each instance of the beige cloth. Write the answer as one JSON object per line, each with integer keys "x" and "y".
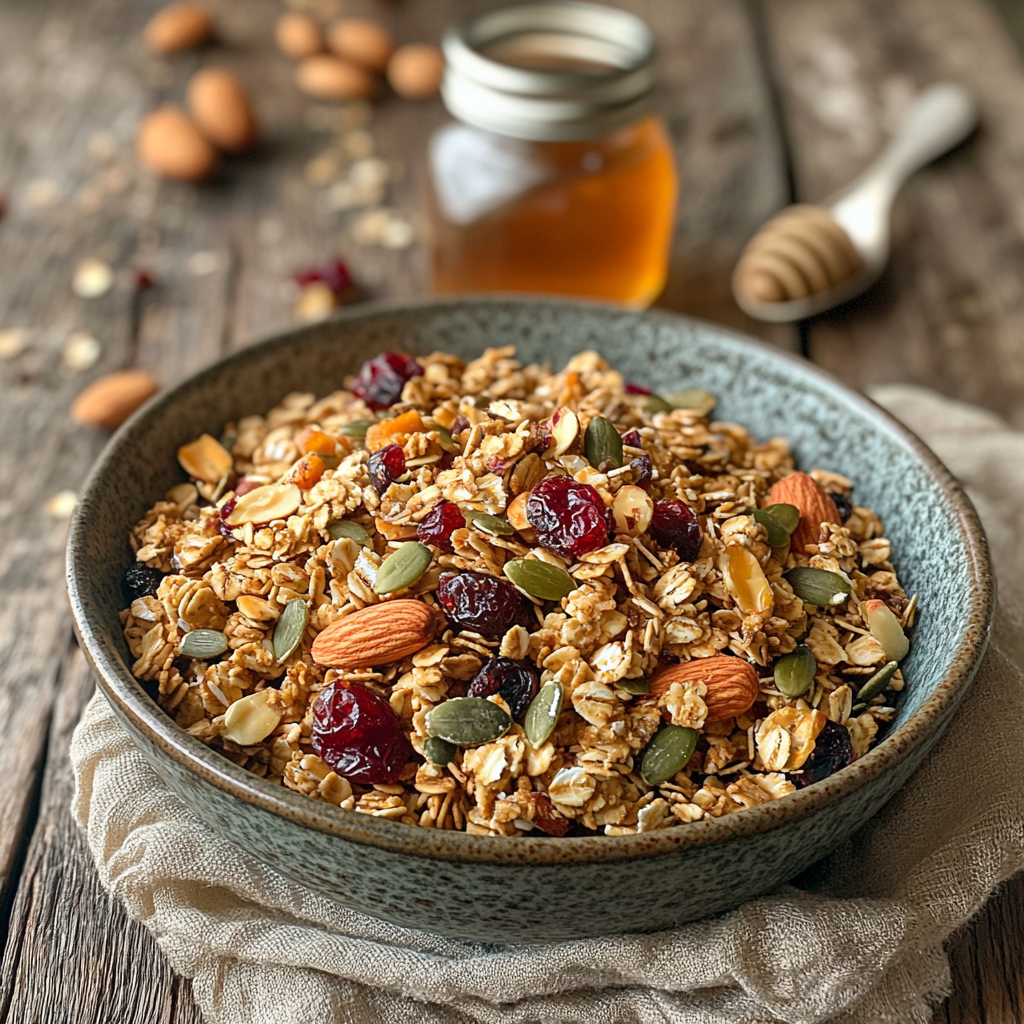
{"x": 859, "y": 939}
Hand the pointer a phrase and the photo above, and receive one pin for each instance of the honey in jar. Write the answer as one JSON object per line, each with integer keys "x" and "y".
{"x": 558, "y": 176}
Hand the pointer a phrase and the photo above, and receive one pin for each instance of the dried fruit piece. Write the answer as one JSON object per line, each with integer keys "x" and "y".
{"x": 878, "y": 682}
{"x": 842, "y": 503}
{"x": 815, "y": 506}
{"x": 203, "y": 643}
{"x": 142, "y": 581}
{"x": 632, "y": 510}
{"x": 570, "y": 518}
{"x": 306, "y": 473}
{"x": 349, "y": 528}
{"x": 334, "y": 275}
{"x": 290, "y": 629}
{"x": 667, "y": 753}
{"x": 514, "y": 681}
{"x": 675, "y": 525}
{"x": 794, "y": 672}
{"x": 205, "y": 459}
{"x": 358, "y": 735}
{"x": 380, "y": 381}
{"x": 402, "y": 568}
{"x": 602, "y": 444}
{"x": 786, "y": 737}
{"x": 489, "y": 524}
{"x": 252, "y": 718}
{"x": 439, "y": 751}
{"x": 732, "y": 683}
{"x": 440, "y": 523}
{"x": 385, "y": 432}
{"x": 818, "y": 586}
{"x": 746, "y": 582}
{"x": 542, "y": 714}
{"x": 779, "y": 522}
{"x": 265, "y": 504}
{"x": 541, "y": 580}
{"x": 385, "y": 466}
{"x": 375, "y": 635}
{"x": 886, "y": 629}
{"x": 474, "y": 600}
{"x": 833, "y": 749}
{"x": 468, "y": 721}
{"x": 316, "y": 441}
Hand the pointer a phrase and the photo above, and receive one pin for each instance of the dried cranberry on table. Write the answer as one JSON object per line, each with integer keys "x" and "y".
{"x": 380, "y": 381}
{"x": 333, "y": 273}
{"x": 385, "y": 466}
{"x": 485, "y": 604}
{"x": 142, "y": 581}
{"x": 441, "y": 522}
{"x": 514, "y": 681}
{"x": 357, "y": 734}
{"x": 675, "y": 525}
{"x": 842, "y": 503}
{"x": 832, "y": 750}
{"x": 570, "y": 518}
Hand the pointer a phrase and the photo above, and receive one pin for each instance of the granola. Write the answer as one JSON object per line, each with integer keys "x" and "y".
{"x": 607, "y": 569}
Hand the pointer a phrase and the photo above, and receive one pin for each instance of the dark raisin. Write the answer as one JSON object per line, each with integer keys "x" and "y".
{"x": 440, "y": 523}
{"x": 570, "y": 518}
{"x": 642, "y": 466}
{"x": 675, "y": 525}
{"x": 832, "y": 751}
{"x": 357, "y": 734}
{"x": 460, "y": 424}
{"x": 142, "y": 581}
{"x": 485, "y": 604}
{"x": 842, "y": 503}
{"x": 386, "y": 466}
{"x": 380, "y": 381}
{"x": 514, "y": 681}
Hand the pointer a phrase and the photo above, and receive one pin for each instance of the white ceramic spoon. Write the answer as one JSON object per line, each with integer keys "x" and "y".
{"x": 941, "y": 116}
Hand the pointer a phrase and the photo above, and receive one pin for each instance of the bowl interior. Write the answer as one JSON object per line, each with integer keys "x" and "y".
{"x": 937, "y": 545}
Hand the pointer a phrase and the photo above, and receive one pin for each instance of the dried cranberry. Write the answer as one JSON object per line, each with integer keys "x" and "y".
{"x": 832, "y": 751}
{"x": 380, "y": 381}
{"x": 460, "y": 424}
{"x": 358, "y": 735}
{"x": 633, "y": 439}
{"x": 842, "y": 503}
{"x": 570, "y": 518}
{"x": 637, "y": 389}
{"x": 386, "y": 466}
{"x": 437, "y": 527}
{"x": 675, "y": 525}
{"x": 485, "y": 604}
{"x": 333, "y": 273}
{"x": 142, "y": 581}
{"x": 143, "y": 280}
{"x": 514, "y": 681}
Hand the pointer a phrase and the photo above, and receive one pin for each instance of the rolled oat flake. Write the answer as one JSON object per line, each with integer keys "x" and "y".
{"x": 402, "y": 568}
{"x": 667, "y": 753}
{"x": 468, "y": 721}
{"x": 290, "y": 629}
{"x": 542, "y": 714}
{"x": 204, "y": 643}
{"x": 541, "y": 580}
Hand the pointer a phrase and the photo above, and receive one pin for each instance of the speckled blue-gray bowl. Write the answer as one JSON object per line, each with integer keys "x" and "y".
{"x": 499, "y": 889}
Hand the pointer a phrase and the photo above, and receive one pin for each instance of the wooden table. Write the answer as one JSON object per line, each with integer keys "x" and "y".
{"x": 765, "y": 100}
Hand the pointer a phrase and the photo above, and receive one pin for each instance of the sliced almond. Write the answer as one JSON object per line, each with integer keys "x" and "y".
{"x": 746, "y": 582}
{"x": 265, "y": 504}
{"x": 259, "y": 609}
{"x": 205, "y": 459}
{"x": 251, "y": 719}
{"x": 516, "y": 512}
{"x": 565, "y": 428}
{"x": 886, "y": 629}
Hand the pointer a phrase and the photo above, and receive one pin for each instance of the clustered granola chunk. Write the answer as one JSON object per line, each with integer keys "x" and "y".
{"x": 305, "y": 504}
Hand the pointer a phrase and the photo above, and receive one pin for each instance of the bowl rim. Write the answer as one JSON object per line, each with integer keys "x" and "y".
{"x": 145, "y": 716}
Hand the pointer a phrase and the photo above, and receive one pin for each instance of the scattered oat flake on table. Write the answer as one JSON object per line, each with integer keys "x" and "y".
{"x": 61, "y": 504}
{"x": 12, "y": 342}
{"x": 92, "y": 279}
{"x": 384, "y": 227}
{"x": 103, "y": 146}
{"x": 42, "y": 194}
{"x": 358, "y": 144}
{"x": 203, "y": 263}
{"x": 322, "y": 169}
{"x": 81, "y": 351}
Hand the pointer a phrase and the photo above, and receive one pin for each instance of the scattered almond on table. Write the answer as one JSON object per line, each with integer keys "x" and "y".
{"x": 220, "y": 107}
{"x": 109, "y": 401}
{"x": 361, "y": 41}
{"x": 298, "y": 36}
{"x": 415, "y": 71}
{"x": 169, "y": 143}
{"x": 180, "y": 26}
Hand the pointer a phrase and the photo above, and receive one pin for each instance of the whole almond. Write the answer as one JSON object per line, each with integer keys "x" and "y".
{"x": 298, "y": 36}
{"x": 331, "y": 78}
{"x": 170, "y": 144}
{"x": 109, "y": 401}
{"x": 732, "y": 683}
{"x": 221, "y": 110}
{"x": 375, "y": 635}
{"x": 361, "y": 41}
{"x": 815, "y": 507}
{"x": 177, "y": 27}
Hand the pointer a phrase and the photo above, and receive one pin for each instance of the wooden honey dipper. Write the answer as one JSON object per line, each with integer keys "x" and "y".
{"x": 807, "y": 258}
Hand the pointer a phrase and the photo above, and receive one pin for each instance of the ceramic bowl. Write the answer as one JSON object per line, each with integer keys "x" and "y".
{"x": 540, "y": 888}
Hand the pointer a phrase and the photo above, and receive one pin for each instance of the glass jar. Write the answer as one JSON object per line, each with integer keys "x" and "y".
{"x": 558, "y": 176}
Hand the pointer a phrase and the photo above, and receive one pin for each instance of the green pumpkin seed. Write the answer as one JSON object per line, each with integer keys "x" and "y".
{"x": 204, "y": 643}
{"x": 857, "y": 709}
{"x": 878, "y": 682}
{"x": 349, "y": 528}
{"x": 482, "y": 402}
{"x": 602, "y": 444}
{"x": 638, "y": 687}
{"x": 542, "y": 714}
{"x": 357, "y": 428}
{"x": 468, "y": 721}
{"x": 541, "y": 580}
{"x": 794, "y": 672}
{"x": 290, "y": 629}
{"x": 653, "y": 404}
{"x": 402, "y": 568}
{"x": 779, "y": 521}
{"x": 439, "y": 751}
{"x": 818, "y": 586}
{"x": 697, "y": 399}
{"x": 667, "y": 753}
{"x": 228, "y": 439}
{"x": 444, "y": 437}
{"x": 489, "y": 524}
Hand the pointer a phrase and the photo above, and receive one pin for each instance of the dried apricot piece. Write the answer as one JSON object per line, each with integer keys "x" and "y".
{"x": 389, "y": 431}
{"x": 313, "y": 440}
{"x": 308, "y": 470}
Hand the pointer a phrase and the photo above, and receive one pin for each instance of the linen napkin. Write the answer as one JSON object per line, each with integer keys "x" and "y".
{"x": 859, "y": 938}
